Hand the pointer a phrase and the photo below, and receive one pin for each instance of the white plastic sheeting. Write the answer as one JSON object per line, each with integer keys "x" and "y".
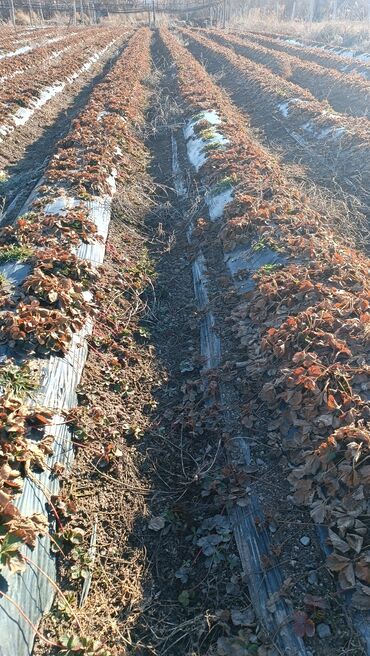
{"x": 59, "y": 376}
{"x": 22, "y": 115}
{"x": 196, "y": 145}
{"x": 198, "y": 153}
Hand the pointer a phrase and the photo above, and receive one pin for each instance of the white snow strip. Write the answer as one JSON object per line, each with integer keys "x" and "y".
{"x": 19, "y": 51}
{"x": 19, "y": 71}
{"x": 24, "y": 113}
{"x": 341, "y": 52}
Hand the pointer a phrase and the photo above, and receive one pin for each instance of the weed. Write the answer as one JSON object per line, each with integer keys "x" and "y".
{"x": 20, "y": 380}
{"x": 259, "y": 245}
{"x": 15, "y": 252}
{"x": 223, "y": 185}
{"x": 207, "y": 134}
{"x": 269, "y": 268}
{"x": 213, "y": 145}
{"x": 79, "y": 646}
{"x": 3, "y": 177}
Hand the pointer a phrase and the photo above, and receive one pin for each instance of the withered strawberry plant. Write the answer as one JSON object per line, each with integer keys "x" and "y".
{"x": 53, "y": 302}
{"x": 302, "y": 330}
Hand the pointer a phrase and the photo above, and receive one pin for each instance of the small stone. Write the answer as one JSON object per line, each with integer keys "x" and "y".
{"x": 243, "y": 617}
{"x": 323, "y": 631}
{"x": 312, "y": 578}
{"x": 260, "y": 462}
{"x": 305, "y": 540}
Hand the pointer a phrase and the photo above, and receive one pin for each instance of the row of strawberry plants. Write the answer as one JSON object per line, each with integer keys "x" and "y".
{"x": 345, "y": 93}
{"x": 343, "y": 141}
{"x": 302, "y": 331}
{"x": 12, "y": 41}
{"x": 46, "y": 317}
{"x": 42, "y": 55}
{"x": 20, "y": 98}
{"x": 325, "y": 58}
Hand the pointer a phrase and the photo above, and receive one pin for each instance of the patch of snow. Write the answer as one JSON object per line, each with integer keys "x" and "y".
{"x": 283, "y": 107}
{"x": 293, "y": 42}
{"x": 101, "y": 115}
{"x": 329, "y": 132}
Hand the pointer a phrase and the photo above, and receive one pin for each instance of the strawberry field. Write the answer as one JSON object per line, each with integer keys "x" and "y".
{"x": 184, "y": 380}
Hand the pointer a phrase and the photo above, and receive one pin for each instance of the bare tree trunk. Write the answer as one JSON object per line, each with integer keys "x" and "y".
{"x": 30, "y": 11}
{"x": 12, "y": 13}
{"x": 312, "y": 10}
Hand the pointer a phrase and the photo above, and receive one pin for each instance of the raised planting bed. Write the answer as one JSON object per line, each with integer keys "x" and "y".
{"x": 50, "y": 259}
{"x": 20, "y": 99}
{"x": 320, "y": 55}
{"x": 345, "y": 93}
{"x": 300, "y": 316}
{"x": 43, "y": 55}
{"x": 340, "y": 141}
{"x": 14, "y": 44}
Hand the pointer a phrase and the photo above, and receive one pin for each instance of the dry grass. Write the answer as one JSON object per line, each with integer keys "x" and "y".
{"x": 351, "y": 34}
